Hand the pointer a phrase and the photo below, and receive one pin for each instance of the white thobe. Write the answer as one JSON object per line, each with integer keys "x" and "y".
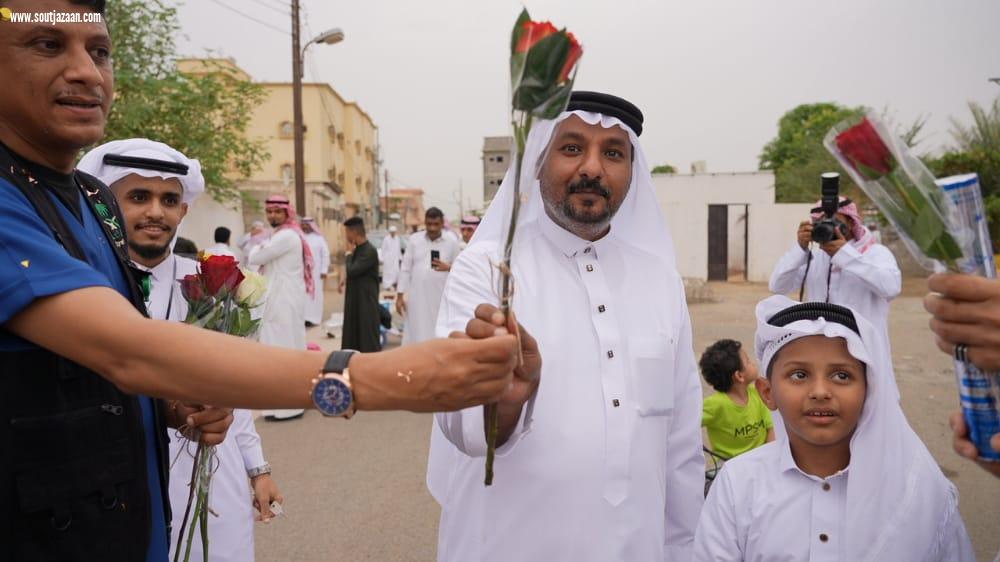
{"x": 321, "y": 265}
{"x": 762, "y": 508}
{"x": 391, "y": 256}
{"x": 220, "y": 249}
{"x": 231, "y": 533}
{"x": 606, "y": 461}
{"x": 422, "y": 285}
{"x": 283, "y": 319}
{"x": 865, "y": 282}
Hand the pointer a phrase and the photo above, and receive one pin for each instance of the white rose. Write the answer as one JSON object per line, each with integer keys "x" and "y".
{"x": 253, "y": 288}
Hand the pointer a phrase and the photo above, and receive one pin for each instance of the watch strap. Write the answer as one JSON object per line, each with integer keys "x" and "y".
{"x": 338, "y": 360}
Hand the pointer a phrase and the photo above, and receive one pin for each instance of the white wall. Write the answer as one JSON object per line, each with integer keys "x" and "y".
{"x": 772, "y": 232}
{"x": 205, "y": 215}
{"x": 684, "y": 200}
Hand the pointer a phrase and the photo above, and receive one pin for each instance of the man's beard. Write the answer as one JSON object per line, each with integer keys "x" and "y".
{"x": 587, "y": 223}
{"x": 150, "y": 251}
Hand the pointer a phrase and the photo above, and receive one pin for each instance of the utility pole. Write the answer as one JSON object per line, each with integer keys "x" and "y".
{"x": 300, "y": 166}
{"x": 386, "y": 187}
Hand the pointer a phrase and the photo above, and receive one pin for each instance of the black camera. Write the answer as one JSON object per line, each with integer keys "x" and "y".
{"x": 824, "y": 229}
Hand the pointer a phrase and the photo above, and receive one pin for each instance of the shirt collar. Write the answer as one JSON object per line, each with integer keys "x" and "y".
{"x": 568, "y": 243}
{"x": 786, "y": 463}
{"x": 160, "y": 271}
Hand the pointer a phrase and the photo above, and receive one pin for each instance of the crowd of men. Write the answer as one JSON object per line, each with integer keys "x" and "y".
{"x": 593, "y": 373}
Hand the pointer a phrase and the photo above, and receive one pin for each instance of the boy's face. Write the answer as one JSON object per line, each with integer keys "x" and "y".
{"x": 749, "y": 368}
{"x": 818, "y": 388}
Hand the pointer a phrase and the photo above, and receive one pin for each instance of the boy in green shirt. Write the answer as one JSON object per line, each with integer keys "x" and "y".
{"x": 736, "y": 418}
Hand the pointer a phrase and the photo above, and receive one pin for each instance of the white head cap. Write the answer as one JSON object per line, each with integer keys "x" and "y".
{"x": 113, "y": 161}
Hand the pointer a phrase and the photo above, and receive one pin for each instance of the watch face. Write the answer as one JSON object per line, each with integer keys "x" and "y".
{"x": 332, "y": 397}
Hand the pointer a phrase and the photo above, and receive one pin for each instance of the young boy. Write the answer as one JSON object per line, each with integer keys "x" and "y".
{"x": 847, "y": 478}
{"x": 734, "y": 416}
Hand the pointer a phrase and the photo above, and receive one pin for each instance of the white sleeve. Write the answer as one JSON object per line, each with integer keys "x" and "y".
{"x": 467, "y": 287}
{"x": 685, "y": 466}
{"x": 279, "y": 245}
{"x": 956, "y": 545}
{"x": 789, "y": 271}
{"x": 716, "y": 539}
{"x": 406, "y": 270}
{"x": 246, "y": 436}
{"x": 876, "y": 268}
{"x": 324, "y": 254}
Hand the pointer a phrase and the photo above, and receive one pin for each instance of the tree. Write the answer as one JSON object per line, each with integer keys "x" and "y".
{"x": 797, "y": 155}
{"x": 977, "y": 149}
{"x": 205, "y": 116}
{"x": 664, "y": 169}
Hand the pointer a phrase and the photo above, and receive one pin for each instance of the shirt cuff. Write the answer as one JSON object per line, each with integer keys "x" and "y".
{"x": 474, "y": 434}
{"x": 845, "y": 255}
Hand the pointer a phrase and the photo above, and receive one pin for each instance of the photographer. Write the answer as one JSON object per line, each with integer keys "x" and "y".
{"x": 849, "y": 269}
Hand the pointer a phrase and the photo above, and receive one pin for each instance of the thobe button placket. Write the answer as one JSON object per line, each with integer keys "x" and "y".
{"x": 611, "y": 354}
{"x": 590, "y": 268}
{"x": 823, "y": 537}
{"x": 601, "y": 308}
{"x": 826, "y": 486}
{"x": 616, "y": 403}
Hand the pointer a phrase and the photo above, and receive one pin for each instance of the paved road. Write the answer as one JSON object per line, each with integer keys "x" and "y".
{"x": 355, "y": 489}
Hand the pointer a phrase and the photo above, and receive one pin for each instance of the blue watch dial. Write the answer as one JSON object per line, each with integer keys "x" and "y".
{"x": 332, "y": 397}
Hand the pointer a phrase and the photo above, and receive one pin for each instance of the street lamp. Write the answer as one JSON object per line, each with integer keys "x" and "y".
{"x": 995, "y": 81}
{"x": 328, "y": 37}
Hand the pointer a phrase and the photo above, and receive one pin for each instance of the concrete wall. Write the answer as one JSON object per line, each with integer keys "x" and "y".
{"x": 205, "y": 215}
{"x": 684, "y": 200}
{"x": 772, "y": 232}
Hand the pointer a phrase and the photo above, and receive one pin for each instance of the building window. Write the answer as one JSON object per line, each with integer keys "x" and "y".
{"x": 286, "y": 129}
{"x": 286, "y": 174}
{"x": 499, "y": 158}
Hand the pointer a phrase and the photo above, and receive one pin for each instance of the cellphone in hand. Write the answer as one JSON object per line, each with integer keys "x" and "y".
{"x": 435, "y": 256}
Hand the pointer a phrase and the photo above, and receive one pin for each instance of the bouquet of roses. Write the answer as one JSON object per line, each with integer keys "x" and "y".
{"x": 542, "y": 71}
{"x": 220, "y": 298}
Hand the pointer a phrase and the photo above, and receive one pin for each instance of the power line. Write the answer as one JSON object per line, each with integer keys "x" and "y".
{"x": 272, "y": 7}
{"x": 251, "y": 18}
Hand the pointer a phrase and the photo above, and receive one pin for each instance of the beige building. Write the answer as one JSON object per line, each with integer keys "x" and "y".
{"x": 496, "y": 158}
{"x": 408, "y": 204}
{"x": 340, "y": 152}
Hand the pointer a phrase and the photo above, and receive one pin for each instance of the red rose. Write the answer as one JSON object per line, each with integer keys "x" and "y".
{"x": 192, "y": 289}
{"x": 220, "y": 272}
{"x": 533, "y": 32}
{"x": 863, "y": 147}
{"x": 575, "y": 50}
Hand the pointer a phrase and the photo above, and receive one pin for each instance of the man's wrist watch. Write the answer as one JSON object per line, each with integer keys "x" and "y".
{"x": 332, "y": 392}
{"x": 259, "y": 471}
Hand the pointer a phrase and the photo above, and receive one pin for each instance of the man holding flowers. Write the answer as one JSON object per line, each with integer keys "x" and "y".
{"x": 154, "y": 201}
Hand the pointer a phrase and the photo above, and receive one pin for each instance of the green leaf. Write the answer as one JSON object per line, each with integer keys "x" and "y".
{"x": 515, "y": 34}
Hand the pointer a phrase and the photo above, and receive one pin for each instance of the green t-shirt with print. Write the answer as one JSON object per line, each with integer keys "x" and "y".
{"x": 734, "y": 429}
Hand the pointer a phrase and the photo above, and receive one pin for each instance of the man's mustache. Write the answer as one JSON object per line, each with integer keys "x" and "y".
{"x": 143, "y": 225}
{"x": 589, "y": 186}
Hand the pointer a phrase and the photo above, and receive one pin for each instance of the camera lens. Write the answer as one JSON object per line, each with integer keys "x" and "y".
{"x": 823, "y": 231}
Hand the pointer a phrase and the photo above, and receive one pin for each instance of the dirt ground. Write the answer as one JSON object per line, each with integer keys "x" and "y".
{"x": 926, "y": 383}
{"x": 355, "y": 490}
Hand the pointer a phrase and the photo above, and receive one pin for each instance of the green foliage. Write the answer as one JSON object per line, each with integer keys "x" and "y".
{"x": 664, "y": 169}
{"x": 797, "y": 155}
{"x": 977, "y": 150}
{"x": 205, "y": 116}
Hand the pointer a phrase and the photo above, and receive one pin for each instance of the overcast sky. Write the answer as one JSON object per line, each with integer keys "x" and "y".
{"x": 712, "y": 77}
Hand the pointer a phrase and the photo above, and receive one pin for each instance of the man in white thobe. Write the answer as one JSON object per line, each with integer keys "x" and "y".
{"x": 391, "y": 256}
{"x": 853, "y": 270}
{"x": 286, "y": 260}
{"x": 221, "y": 246}
{"x": 321, "y": 256}
{"x": 154, "y": 202}
{"x": 422, "y": 279}
{"x": 605, "y": 462}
